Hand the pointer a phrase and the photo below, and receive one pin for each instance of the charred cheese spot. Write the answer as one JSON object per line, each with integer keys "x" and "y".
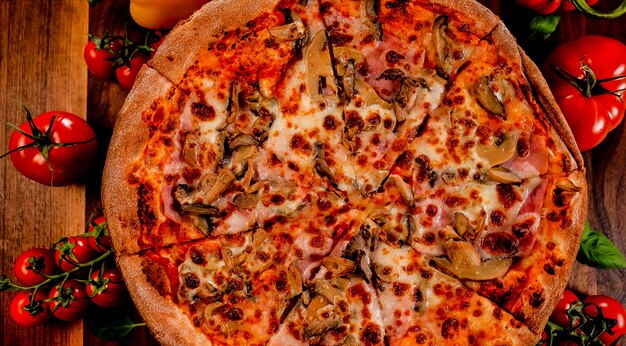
{"x": 507, "y": 195}
{"x": 500, "y": 243}
{"x": 156, "y": 276}
{"x": 203, "y": 111}
{"x": 449, "y": 327}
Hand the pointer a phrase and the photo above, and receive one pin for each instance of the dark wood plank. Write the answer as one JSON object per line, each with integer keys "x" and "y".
{"x": 40, "y": 67}
{"x": 104, "y": 100}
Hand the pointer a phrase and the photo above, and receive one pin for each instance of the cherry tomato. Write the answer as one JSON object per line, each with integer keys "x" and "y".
{"x": 568, "y": 6}
{"x": 550, "y": 7}
{"x": 100, "y": 54}
{"x": 559, "y": 315}
{"x": 58, "y": 157}
{"x": 29, "y": 315}
{"x": 30, "y": 265}
{"x": 611, "y": 309}
{"x": 591, "y": 112}
{"x": 107, "y": 291}
{"x": 70, "y": 302}
{"x": 100, "y": 241}
{"x": 127, "y": 73}
{"x": 71, "y": 251}
{"x": 534, "y": 5}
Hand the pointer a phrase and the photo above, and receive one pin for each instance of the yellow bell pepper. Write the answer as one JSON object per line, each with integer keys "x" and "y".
{"x": 162, "y": 14}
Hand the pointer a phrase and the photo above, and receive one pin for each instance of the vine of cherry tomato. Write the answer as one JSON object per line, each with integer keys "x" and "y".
{"x": 594, "y": 320}
{"x": 66, "y": 280}
{"x": 119, "y": 57}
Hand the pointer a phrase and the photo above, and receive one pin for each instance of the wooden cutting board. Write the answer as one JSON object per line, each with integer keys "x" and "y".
{"x": 42, "y": 67}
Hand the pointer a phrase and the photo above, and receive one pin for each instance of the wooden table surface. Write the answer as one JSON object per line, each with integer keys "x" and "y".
{"x": 42, "y": 67}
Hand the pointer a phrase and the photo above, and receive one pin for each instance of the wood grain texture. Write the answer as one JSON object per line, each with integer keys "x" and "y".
{"x": 38, "y": 69}
{"x": 41, "y": 66}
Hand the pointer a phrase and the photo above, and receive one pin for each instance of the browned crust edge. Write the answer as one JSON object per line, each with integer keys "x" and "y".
{"x": 484, "y": 19}
{"x": 119, "y": 198}
{"x": 166, "y": 321}
{"x": 181, "y": 46}
{"x": 536, "y": 320}
{"x": 561, "y": 133}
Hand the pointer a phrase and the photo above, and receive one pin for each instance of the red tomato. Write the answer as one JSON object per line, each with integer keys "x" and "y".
{"x": 559, "y": 315}
{"x": 71, "y": 251}
{"x": 70, "y": 147}
{"x": 568, "y": 6}
{"x": 590, "y": 115}
{"x": 611, "y": 309}
{"x": 100, "y": 241}
{"x": 534, "y": 5}
{"x": 29, "y": 315}
{"x": 30, "y": 265}
{"x": 127, "y": 73}
{"x": 100, "y": 58}
{"x": 550, "y": 7}
{"x": 69, "y": 303}
{"x": 107, "y": 291}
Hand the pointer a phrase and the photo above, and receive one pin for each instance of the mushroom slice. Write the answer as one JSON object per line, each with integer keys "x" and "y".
{"x": 464, "y": 262}
{"x": 339, "y": 266}
{"x": 200, "y": 209}
{"x": 442, "y": 46}
{"x": 191, "y": 149}
{"x": 317, "y": 57}
{"x": 246, "y": 200}
{"x": 568, "y": 186}
{"x": 289, "y": 32}
{"x": 462, "y": 225}
{"x": 241, "y": 158}
{"x": 370, "y": 19}
{"x": 321, "y": 166}
{"x": 321, "y": 317}
{"x": 405, "y": 189}
{"x": 496, "y": 153}
{"x": 450, "y": 178}
{"x": 294, "y": 277}
{"x": 214, "y": 189}
{"x": 242, "y": 140}
{"x": 487, "y": 98}
{"x": 326, "y": 290}
{"x": 231, "y": 260}
{"x": 503, "y": 175}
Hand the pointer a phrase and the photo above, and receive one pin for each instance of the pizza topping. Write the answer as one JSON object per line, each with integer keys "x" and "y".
{"x": 465, "y": 263}
{"x": 497, "y": 151}
{"x": 370, "y": 19}
{"x": 289, "y": 32}
{"x": 487, "y": 98}
{"x": 405, "y": 189}
{"x": 503, "y": 175}
{"x": 449, "y": 54}
{"x": 321, "y": 78}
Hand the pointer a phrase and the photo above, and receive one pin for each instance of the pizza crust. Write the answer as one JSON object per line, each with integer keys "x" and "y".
{"x": 165, "y": 319}
{"x": 119, "y": 197}
{"x": 179, "y": 50}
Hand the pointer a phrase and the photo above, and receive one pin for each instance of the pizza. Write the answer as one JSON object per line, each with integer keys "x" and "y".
{"x": 343, "y": 173}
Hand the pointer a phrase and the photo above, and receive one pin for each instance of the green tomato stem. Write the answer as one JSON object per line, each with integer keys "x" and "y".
{"x": 582, "y": 6}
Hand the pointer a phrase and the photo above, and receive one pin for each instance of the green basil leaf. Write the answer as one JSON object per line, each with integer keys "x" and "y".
{"x": 114, "y": 330}
{"x": 545, "y": 25}
{"x": 596, "y": 250}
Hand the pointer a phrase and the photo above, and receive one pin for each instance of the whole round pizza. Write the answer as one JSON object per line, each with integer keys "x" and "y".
{"x": 333, "y": 172}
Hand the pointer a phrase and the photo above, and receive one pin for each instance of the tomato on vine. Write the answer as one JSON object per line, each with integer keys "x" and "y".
{"x": 559, "y": 315}
{"x": 32, "y": 265}
{"x": 29, "y": 311}
{"x": 106, "y": 288}
{"x": 612, "y": 311}
{"x": 55, "y": 148}
{"x": 587, "y": 79}
{"x": 127, "y": 73}
{"x": 100, "y": 54}
{"x": 99, "y": 240}
{"x": 68, "y": 300}
{"x": 72, "y": 251}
